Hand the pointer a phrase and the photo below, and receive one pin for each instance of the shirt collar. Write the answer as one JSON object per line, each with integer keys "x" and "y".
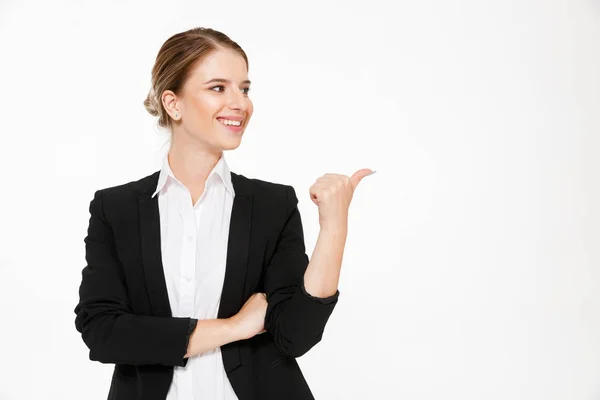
{"x": 221, "y": 169}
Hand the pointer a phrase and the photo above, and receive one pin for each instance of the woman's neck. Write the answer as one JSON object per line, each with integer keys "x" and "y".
{"x": 191, "y": 164}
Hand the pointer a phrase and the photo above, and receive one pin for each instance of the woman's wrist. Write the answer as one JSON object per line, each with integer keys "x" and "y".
{"x": 210, "y": 334}
{"x": 335, "y": 228}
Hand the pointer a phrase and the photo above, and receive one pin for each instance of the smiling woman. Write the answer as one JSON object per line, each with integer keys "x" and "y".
{"x": 197, "y": 283}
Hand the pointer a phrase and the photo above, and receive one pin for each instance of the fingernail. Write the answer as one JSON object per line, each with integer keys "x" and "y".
{"x": 371, "y": 173}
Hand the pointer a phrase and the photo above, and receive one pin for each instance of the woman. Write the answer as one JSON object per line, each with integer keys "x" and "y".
{"x": 197, "y": 285}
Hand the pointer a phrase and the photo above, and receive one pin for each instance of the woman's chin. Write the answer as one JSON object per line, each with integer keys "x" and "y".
{"x": 231, "y": 144}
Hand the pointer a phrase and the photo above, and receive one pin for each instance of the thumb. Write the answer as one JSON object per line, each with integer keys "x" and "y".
{"x": 358, "y": 175}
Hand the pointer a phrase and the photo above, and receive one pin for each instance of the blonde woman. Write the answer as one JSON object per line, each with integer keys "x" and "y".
{"x": 197, "y": 284}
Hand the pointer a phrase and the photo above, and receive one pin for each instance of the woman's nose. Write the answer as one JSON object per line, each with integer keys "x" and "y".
{"x": 237, "y": 100}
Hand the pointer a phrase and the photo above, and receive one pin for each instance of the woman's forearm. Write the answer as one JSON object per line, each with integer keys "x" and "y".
{"x": 320, "y": 280}
{"x": 323, "y": 272}
{"x": 210, "y": 334}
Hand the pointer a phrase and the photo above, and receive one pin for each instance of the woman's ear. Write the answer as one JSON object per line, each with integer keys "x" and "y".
{"x": 169, "y": 101}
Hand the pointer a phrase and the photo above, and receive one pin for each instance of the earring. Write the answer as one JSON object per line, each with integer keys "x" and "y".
{"x": 176, "y": 115}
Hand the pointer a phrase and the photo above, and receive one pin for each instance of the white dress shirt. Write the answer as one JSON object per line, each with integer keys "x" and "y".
{"x": 194, "y": 250}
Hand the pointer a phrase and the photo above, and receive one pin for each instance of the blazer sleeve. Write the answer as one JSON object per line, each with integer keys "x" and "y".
{"x": 108, "y": 327}
{"x": 295, "y": 319}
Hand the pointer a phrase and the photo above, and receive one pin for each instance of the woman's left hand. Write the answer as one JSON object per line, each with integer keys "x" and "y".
{"x": 332, "y": 193}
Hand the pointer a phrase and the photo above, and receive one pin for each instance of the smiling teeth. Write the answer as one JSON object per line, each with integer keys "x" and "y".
{"x": 229, "y": 122}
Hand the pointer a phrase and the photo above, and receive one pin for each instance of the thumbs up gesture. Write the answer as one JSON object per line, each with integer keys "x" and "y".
{"x": 332, "y": 193}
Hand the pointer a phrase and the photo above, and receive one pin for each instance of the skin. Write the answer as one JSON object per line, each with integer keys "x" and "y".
{"x": 198, "y": 142}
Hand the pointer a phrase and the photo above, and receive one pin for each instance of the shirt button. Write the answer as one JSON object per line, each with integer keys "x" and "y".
{"x": 190, "y": 238}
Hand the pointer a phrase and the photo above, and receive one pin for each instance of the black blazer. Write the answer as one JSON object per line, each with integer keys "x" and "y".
{"x": 124, "y": 315}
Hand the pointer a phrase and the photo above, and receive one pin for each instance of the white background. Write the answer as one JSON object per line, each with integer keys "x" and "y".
{"x": 471, "y": 268}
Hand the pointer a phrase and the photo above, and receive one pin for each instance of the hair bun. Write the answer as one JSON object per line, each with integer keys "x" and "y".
{"x": 150, "y": 104}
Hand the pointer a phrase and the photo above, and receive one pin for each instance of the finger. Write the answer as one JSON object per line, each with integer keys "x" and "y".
{"x": 359, "y": 175}
{"x": 313, "y": 191}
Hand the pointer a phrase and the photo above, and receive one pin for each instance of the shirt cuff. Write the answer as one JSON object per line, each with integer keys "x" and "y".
{"x": 191, "y": 327}
{"x": 322, "y": 300}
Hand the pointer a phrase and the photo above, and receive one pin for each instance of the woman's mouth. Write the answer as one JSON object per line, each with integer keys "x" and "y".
{"x": 234, "y": 126}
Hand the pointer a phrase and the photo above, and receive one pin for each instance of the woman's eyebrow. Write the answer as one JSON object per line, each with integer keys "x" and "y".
{"x": 221, "y": 80}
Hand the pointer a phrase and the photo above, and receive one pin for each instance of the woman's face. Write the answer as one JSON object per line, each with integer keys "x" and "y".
{"x": 214, "y": 108}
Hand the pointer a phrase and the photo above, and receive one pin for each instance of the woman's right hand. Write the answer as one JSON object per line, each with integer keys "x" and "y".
{"x": 250, "y": 320}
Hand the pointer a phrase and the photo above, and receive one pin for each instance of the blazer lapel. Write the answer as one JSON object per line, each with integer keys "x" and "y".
{"x": 151, "y": 249}
{"x": 237, "y": 251}
{"x": 237, "y": 263}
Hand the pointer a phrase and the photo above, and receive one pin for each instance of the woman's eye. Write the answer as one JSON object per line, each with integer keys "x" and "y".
{"x": 222, "y": 88}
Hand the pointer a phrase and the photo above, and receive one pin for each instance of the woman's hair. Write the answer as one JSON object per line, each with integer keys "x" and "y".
{"x": 175, "y": 61}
